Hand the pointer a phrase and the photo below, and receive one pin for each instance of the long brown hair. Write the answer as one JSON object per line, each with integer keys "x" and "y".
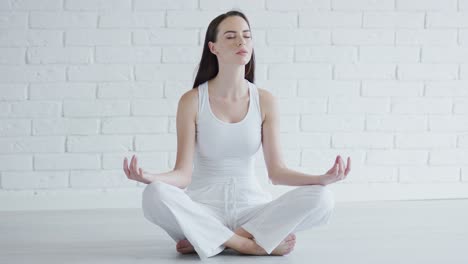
{"x": 208, "y": 66}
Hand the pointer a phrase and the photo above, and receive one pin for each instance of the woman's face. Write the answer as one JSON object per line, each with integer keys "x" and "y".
{"x": 233, "y": 35}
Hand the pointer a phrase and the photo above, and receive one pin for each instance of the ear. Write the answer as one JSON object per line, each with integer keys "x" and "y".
{"x": 212, "y": 47}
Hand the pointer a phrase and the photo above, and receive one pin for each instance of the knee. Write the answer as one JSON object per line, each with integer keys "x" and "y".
{"x": 322, "y": 195}
{"x": 154, "y": 195}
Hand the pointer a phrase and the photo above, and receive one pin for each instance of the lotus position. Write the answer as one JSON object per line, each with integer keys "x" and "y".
{"x": 211, "y": 200}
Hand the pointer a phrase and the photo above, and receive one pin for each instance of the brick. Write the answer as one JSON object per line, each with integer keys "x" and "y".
{"x": 28, "y": 38}
{"x": 426, "y": 5}
{"x": 325, "y": 88}
{"x": 132, "y": 20}
{"x": 455, "y": 88}
{"x": 448, "y": 123}
{"x": 134, "y": 125}
{"x": 173, "y": 54}
{"x": 13, "y": 162}
{"x": 35, "y": 180}
{"x": 356, "y": 105}
{"x": 130, "y": 90}
{"x": 160, "y": 72}
{"x": 298, "y": 37}
{"x": 13, "y": 20}
{"x": 297, "y": 5}
{"x": 392, "y": 88}
{"x": 332, "y": 123}
{"x": 455, "y": 157}
{"x": 88, "y": 108}
{"x": 60, "y": 91}
{"x": 15, "y": 127}
{"x": 444, "y": 55}
{"x": 460, "y": 106}
{"x": 189, "y": 18}
{"x": 12, "y": 55}
{"x": 87, "y": 179}
{"x": 362, "y": 37}
{"x": 326, "y": 54}
{"x": 67, "y": 161}
{"x": 393, "y": 20}
{"x": 364, "y": 71}
{"x": 31, "y": 73}
{"x": 304, "y": 140}
{"x": 396, "y": 123}
{"x": 447, "y": 19}
{"x": 128, "y": 55}
{"x": 164, "y": 5}
{"x": 56, "y": 55}
{"x": 426, "y": 37}
{"x": 366, "y": 140}
{"x": 330, "y": 19}
{"x": 100, "y": 72}
{"x": 395, "y": 157}
{"x": 300, "y": 71}
{"x": 428, "y": 174}
{"x": 160, "y": 107}
{"x": 36, "y": 144}
{"x": 166, "y": 37}
{"x": 99, "y": 143}
{"x": 33, "y": 109}
{"x": 425, "y": 105}
{"x": 160, "y": 142}
{"x": 98, "y": 5}
{"x": 274, "y": 55}
{"x": 429, "y": 72}
{"x": 244, "y": 5}
{"x": 65, "y": 20}
{"x": 425, "y": 140}
{"x": 36, "y": 5}
{"x": 387, "y": 54}
{"x": 65, "y": 126}
{"x": 13, "y": 91}
{"x": 363, "y": 5}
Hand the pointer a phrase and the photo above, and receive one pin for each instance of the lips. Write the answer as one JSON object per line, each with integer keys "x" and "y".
{"x": 242, "y": 51}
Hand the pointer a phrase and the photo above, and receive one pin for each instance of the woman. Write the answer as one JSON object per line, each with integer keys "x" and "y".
{"x": 224, "y": 120}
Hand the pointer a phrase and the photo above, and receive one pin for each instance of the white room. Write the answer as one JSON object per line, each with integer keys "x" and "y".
{"x": 109, "y": 130}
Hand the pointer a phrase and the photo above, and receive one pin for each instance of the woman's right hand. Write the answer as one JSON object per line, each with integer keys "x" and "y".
{"x": 135, "y": 173}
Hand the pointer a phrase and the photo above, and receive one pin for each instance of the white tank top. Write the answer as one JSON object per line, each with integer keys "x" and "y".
{"x": 224, "y": 161}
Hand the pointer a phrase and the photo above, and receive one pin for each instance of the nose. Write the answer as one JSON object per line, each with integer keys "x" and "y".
{"x": 242, "y": 41}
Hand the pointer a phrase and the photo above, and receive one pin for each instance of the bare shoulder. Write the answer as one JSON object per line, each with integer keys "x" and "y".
{"x": 189, "y": 102}
{"x": 267, "y": 101}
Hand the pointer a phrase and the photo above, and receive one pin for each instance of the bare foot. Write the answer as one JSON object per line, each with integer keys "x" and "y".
{"x": 250, "y": 247}
{"x": 286, "y": 246}
{"x": 184, "y": 247}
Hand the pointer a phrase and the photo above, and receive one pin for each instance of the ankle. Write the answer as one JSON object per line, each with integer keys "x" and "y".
{"x": 251, "y": 247}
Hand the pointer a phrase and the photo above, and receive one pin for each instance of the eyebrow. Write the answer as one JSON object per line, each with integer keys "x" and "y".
{"x": 232, "y": 31}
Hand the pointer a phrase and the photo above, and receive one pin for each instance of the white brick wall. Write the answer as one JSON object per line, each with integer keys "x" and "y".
{"x": 84, "y": 83}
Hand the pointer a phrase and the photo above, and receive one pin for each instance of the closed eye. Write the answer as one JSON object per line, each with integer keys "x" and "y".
{"x": 235, "y": 37}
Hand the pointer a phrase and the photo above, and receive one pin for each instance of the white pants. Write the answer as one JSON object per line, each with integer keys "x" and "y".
{"x": 205, "y": 226}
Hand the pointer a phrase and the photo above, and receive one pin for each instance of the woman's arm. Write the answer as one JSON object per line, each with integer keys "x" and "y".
{"x": 286, "y": 176}
{"x": 175, "y": 177}
{"x": 181, "y": 175}
{"x": 278, "y": 172}
{"x": 338, "y": 172}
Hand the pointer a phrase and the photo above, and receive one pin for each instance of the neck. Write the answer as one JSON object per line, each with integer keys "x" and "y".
{"x": 230, "y": 82}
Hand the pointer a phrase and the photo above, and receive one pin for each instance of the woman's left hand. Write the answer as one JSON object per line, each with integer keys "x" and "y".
{"x": 338, "y": 172}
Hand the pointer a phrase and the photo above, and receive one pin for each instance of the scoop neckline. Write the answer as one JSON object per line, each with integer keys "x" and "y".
{"x": 224, "y": 122}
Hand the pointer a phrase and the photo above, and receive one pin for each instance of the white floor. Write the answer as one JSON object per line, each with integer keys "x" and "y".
{"x": 434, "y": 231}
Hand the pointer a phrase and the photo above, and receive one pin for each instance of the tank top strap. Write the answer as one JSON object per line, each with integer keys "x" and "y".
{"x": 202, "y": 98}
{"x": 256, "y": 97}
